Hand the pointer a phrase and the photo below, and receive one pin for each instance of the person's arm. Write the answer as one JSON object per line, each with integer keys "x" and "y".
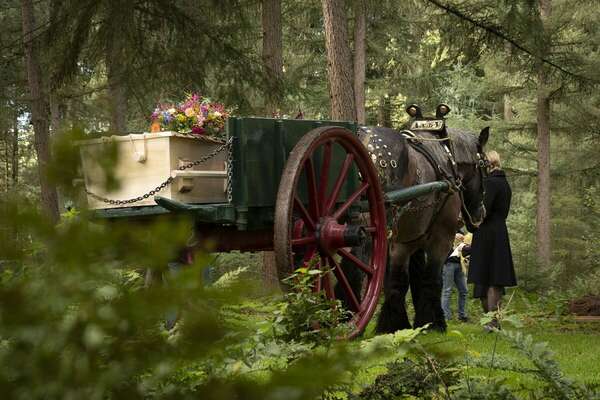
{"x": 490, "y": 195}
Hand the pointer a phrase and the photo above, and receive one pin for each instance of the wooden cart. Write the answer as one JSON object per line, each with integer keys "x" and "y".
{"x": 308, "y": 190}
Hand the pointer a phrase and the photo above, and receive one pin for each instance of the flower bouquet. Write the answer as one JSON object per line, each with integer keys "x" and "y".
{"x": 196, "y": 115}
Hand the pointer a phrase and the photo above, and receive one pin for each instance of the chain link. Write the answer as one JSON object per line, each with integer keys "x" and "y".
{"x": 227, "y": 145}
{"x": 228, "y": 183}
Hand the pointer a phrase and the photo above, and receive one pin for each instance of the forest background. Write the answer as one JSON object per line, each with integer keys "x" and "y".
{"x": 528, "y": 69}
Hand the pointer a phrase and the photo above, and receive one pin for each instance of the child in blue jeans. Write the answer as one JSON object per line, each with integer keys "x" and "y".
{"x": 454, "y": 275}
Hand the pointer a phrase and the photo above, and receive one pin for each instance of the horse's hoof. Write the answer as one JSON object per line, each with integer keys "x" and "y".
{"x": 385, "y": 329}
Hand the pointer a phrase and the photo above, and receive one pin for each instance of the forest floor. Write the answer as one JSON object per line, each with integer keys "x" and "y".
{"x": 576, "y": 346}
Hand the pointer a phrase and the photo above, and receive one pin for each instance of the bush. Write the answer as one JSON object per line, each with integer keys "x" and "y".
{"x": 308, "y": 316}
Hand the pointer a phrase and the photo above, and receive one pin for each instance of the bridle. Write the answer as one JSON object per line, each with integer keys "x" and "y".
{"x": 481, "y": 165}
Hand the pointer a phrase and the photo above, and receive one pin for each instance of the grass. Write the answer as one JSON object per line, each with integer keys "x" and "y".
{"x": 576, "y": 346}
{"x": 578, "y": 354}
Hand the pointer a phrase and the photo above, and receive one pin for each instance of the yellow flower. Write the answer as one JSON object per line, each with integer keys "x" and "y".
{"x": 189, "y": 112}
{"x": 180, "y": 117}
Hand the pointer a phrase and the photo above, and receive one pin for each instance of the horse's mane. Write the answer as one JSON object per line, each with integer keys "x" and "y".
{"x": 465, "y": 145}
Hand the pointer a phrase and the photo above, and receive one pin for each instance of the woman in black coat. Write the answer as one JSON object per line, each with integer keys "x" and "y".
{"x": 491, "y": 268}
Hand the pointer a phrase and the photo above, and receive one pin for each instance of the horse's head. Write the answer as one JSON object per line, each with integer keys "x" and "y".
{"x": 472, "y": 169}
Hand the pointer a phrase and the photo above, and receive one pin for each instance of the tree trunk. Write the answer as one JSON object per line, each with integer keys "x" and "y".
{"x": 117, "y": 88}
{"x": 384, "y": 116}
{"x": 272, "y": 55}
{"x": 339, "y": 61}
{"x": 269, "y": 273}
{"x": 7, "y": 160}
{"x": 360, "y": 55}
{"x": 15, "y": 154}
{"x": 543, "y": 235}
{"x": 507, "y": 105}
{"x": 56, "y": 113}
{"x": 39, "y": 111}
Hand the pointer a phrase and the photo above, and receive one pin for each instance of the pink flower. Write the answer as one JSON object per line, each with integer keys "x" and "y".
{"x": 197, "y": 130}
{"x": 218, "y": 107}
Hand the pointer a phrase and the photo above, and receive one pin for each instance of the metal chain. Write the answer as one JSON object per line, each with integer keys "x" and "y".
{"x": 228, "y": 183}
{"x": 169, "y": 180}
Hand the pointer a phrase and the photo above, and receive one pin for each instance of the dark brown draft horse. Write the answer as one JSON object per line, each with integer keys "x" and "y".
{"x": 424, "y": 228}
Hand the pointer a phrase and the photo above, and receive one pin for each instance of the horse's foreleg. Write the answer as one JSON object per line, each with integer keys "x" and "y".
{"x": 428, "y": 309}
{"x": 393, "y": 316}
{"x": 416, "y": 268}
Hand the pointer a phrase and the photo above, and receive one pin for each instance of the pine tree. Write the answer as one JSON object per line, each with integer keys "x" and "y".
{"x": 339, "y": 63}
{"x": 39, "y": 110}
{"x": 543, "y": 146}
{"x": 360, "y": 50}
{"x": 272, "y": 54}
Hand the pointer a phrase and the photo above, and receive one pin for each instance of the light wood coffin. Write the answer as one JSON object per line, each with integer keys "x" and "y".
{"x": 146, "y": 160}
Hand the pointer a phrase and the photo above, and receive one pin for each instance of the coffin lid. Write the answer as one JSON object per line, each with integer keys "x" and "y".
{"x": 147, "y": 136}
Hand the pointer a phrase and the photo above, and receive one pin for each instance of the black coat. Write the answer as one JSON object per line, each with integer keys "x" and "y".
{"x": 491, "y": 258}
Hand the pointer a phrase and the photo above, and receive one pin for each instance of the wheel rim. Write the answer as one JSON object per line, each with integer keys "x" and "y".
{"x": 319, "y": 227}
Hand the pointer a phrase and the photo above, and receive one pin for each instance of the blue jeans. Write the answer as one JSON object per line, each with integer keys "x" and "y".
{"x": 452, "y": 274}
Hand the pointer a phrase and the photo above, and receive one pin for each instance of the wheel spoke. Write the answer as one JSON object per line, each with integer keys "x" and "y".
{"x": 344, "y": 207}
{"x": 323, "y": 179}
{"x": 356, "y": 261}
{"x": 308, "y": 255}
{"x": 304, "y": 214}
{"x": 311, "y": 181}
{"x": 339, "y": 183}
{"x": 342, "y": 280}
{"x": 301, "y": 241}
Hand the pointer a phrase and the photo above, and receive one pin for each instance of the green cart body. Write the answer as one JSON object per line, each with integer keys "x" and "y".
{"x": 308, "y": 190}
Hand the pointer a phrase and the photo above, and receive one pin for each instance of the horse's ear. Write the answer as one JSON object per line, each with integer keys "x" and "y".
{"x": 484, "y": 135}
{"x": 441, "y": 110}
{"x": 414, "y": 111}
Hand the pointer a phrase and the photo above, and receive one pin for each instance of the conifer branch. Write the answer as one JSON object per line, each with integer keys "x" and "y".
{"x": 497, "y": 32}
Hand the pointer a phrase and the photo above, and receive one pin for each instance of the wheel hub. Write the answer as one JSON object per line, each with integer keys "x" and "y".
{"x": 331, "y": 235}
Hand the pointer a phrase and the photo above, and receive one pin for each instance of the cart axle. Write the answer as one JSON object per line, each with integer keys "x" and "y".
{"x": 332, "y": 236}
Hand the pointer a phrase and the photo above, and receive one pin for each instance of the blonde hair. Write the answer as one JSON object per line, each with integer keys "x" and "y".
{"x": 494, "y": 159}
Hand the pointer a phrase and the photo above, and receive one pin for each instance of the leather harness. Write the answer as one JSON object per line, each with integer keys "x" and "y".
{"x": 454, "y": 180}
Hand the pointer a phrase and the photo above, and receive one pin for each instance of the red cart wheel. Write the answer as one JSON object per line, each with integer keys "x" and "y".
{"x": 319, "y": 229}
